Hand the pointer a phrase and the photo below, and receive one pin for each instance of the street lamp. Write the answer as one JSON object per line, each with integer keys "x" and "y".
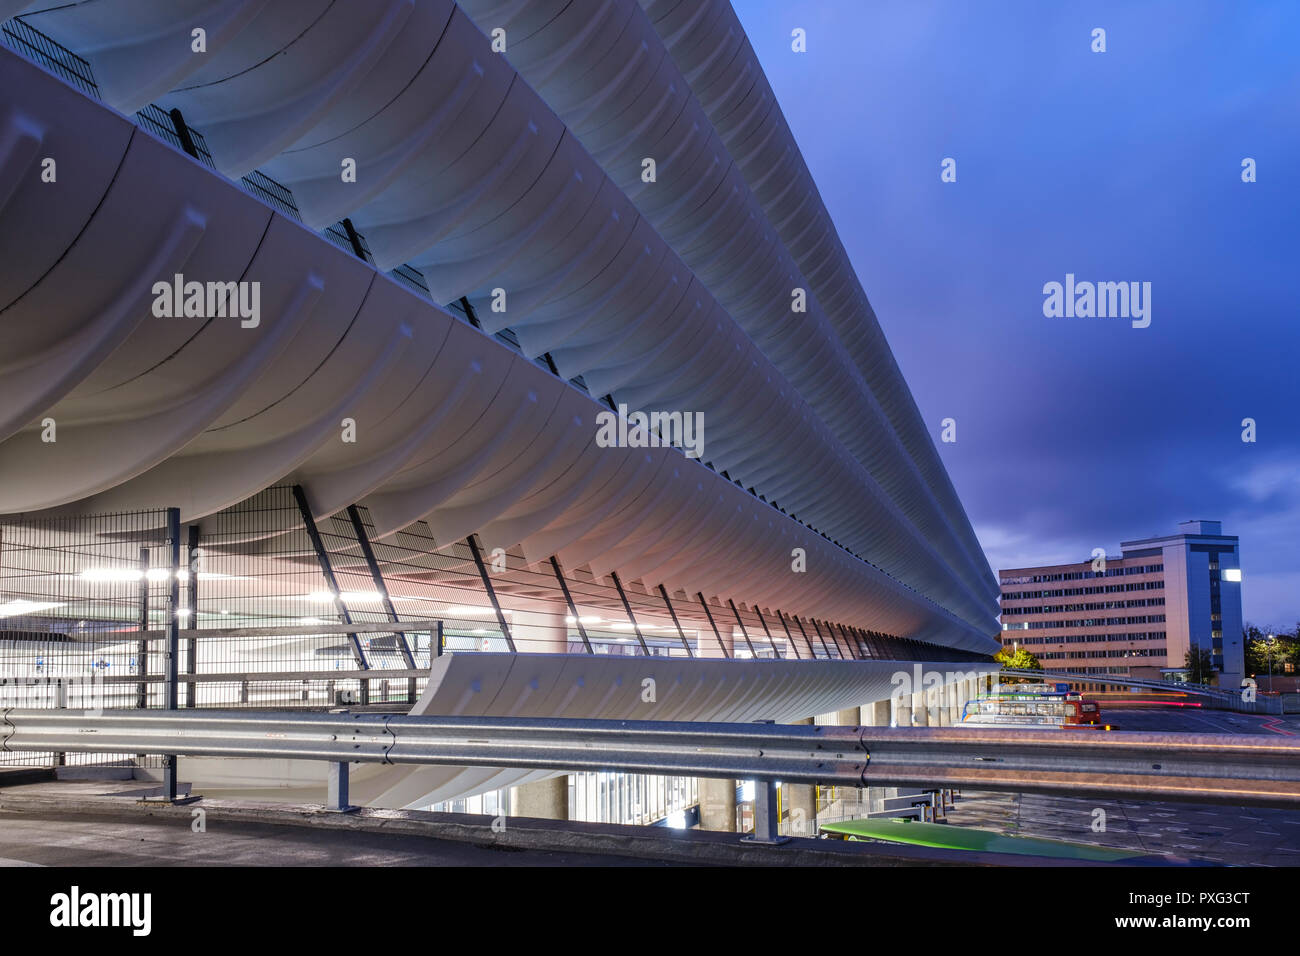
{"x": 1271, "y": 641}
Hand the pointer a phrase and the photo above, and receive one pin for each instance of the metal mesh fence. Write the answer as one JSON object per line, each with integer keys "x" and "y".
{"x": 278, "y": 610}
{"x": 78, "y": 596}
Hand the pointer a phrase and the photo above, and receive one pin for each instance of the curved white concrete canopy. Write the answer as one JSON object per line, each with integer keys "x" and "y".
{"x": 452, "y": 427}
{"x": 609, "y": 77}
{"x": 174, "y": 379}
{"x": 711, "y": 49}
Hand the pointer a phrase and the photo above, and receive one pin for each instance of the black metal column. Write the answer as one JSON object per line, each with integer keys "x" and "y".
{"x": 323, "y": 559}
{"x": 766, "y": 630}
{"x": 848, "y": 641}
{"x": 192, "y": 600}
{"x": 173, "y": 639}
{"x": 743, "y": 632}
{"x": 839, "y": 651}
{"x": 627, "y": 606}
{"x": 790, "y": 637}
{"x": 142, "y": 649}
{"x": 676, "y": 623}
{"x": 705, "y": 604}
{"x": 355, "y": 240}
{"x": 367, "y": 552}
{"x": 470, "y": 313}
{"x": 820, "y": 640}
{"x": 183, "y": 133}
{"x": 573, "y": 608}
{"x": 491, "y": 593}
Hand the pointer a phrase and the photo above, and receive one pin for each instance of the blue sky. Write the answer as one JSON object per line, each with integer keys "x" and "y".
{"x": 1075, "y": 433}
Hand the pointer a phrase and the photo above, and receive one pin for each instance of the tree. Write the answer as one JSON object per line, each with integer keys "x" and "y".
{"x": 1200, "y": 667}
{"x": 1017, "y": 659}
{"x": 1261, "y": 653}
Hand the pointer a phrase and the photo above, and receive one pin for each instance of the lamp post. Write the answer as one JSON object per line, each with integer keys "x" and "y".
{"x": 1271, "y": 641}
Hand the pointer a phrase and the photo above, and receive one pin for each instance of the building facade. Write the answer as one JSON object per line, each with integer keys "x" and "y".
{"x": 1144, "y": 609}
{"x": 392, "y": 316}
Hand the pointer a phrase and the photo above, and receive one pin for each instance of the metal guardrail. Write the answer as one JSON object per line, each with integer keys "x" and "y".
{"x": 1239, "y": 770}
{"x": 1223, "y": 697}
{"x": 1119, "y": 680}
{"x": 1219, "y": 697}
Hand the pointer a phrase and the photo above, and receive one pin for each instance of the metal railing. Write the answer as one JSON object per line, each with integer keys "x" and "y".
{"x": 1239, "y": 770}
{"x": 1222, "y": 697}
{"x": 31, "y": 43}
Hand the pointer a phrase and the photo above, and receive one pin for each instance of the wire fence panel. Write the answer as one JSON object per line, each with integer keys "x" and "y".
{"x": 77, "y": 595}
{"x": 84, "y": 611}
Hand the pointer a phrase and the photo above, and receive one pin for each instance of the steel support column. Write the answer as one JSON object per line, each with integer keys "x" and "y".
{"x": 192, "y": 597}
{"x": 770, "y": 639}
{"x": 663, "y": 592}
{"x": 337, "y": 788}
{"x": 799, "y": 624}
{"x": 816, "y": 627}
{"x": 367, "y": 552}
{"x": 743, "y": 633}
{"x": 812, "y": 654}
{"x": 705, "y": 604}
{"x": 627, "y": 606}
{"x": 491, "y": 593}
{"x": 142, "y": 648}
{"x": 848, "y": 640}
{"x": 171, "y": 660}
{"x": 327, "y": 571}
{"x": 573, "y": 608}
{"x": 766, "y": 815}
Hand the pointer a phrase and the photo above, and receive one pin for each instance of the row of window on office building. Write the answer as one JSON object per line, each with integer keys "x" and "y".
{"x": 1095, "y": 638}
{"x": 1075, "y": 592}
{"x": 1084, "y": 575}
{"x": 1077, "y": 655}
{"x": 1095, "y": 606}
{"x": 1090, "y": 622}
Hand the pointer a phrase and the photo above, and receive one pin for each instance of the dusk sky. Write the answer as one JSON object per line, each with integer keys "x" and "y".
{"x": 1075, "y": 433}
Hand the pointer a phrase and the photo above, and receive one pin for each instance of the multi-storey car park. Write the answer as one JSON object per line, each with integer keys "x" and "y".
{"x": 442, "y": 240}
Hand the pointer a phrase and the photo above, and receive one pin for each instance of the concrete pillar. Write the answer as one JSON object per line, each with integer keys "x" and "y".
{"x": 542, "y": 630}
{"x": 920, "y": 710}
{"x": 963, "y": 695}
{"x": 849, "y": 717}
{"x": 543, "y": 799}
{"x": 900, "y": 706}
{"x": 717, "y": 805}
{"x": 799, "y": 802}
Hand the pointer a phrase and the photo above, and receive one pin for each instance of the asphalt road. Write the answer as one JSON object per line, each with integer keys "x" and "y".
{"x": 1194, "y": 720}
{"x": 1217, "y": 834}
{"x": 50, "y": 839}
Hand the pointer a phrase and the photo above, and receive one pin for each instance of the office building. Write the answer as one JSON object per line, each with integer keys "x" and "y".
{"x": 1144, "y": 609}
